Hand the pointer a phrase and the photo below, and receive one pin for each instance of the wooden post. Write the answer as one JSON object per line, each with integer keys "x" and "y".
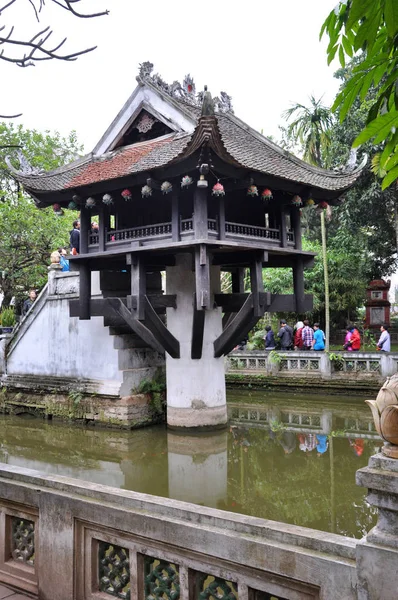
{"x": 202, "y": 277}
{"x": 221, "y": 218}
{"x": 138, "y": 284}
{"x": 257, "y": 286}
{"x": 298, "y": 285}
{"x": 200, "y": 214}
{"x": 282, "y": 225}
{"x": 175, "y": 216}
{"x": 296, "y": 225}
{"x": 85, "y": 227}
{"x": 238, "y": 281}
{"x": 84, "y": 291}
{"x": 102, "y": 228}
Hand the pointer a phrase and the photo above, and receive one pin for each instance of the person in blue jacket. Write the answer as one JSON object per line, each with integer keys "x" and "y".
{"x": 269, "y": 339}
{"x": 319, "y": 338}
{"x": 63, "y": 261}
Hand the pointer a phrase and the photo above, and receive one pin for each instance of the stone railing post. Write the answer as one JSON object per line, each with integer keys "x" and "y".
{"x": 325, "y": 365}
{"x": 377, "y": 552}
{"x": 387, "y": 365}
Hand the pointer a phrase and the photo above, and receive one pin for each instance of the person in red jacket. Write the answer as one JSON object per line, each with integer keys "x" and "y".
{"x": 298, "y": 338}
{"x": 355, "y": 341}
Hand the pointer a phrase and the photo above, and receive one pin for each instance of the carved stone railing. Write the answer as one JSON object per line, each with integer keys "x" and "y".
{"x": 62, "y": 539}
{"x": 376, "y": 365}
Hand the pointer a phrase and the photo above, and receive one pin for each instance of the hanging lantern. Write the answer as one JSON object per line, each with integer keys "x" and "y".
{"x": 72, "y": 205}
{"x": 218, "y": 189}
{"x": 90, "y": 202}
{"x": 56, "y": 208}
{"x": 297, "y": 201}
{"x": 266, "y": 195}
{"x": 326, "y": 207}
{"x": 107, "y": 199}
{"x": 323, "y": 204}
{"x": 146, "y": 191}
{"x": 186, "y": 181}
{"x": 126, "y": 194}
{"x": 166, "y": 187}
{"x": 252, "y": 190}
{"x": 310, "y": 202}
{"x": 76, "y": 198}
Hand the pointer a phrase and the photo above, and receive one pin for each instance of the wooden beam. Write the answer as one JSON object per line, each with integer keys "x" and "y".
{"x": 277, "y": 260}
{"x": 99, "y": 307}
{"x": 175, "y": 215}
{"x": 238, "y": 281}
{"x": 135, "y": 325}
{"x": 160, "y": 331}
{"x": 200, "y": 213}
{"x": 85, "y": 228}
{"x": 237, "y": 329}
{"x": 238, "y": 257}
{"x": 198, "y": 328}
{"x": 84, "y": 292}
{"x": 287, "y": 303}
{"x": 202, "y": 277}
{"x": 138, "y": 285}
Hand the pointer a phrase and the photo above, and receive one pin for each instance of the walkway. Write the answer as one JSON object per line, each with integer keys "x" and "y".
{"x": 11, "y": 595}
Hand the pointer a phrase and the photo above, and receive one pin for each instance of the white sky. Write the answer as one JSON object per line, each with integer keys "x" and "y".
{"x": 265, "y": 54}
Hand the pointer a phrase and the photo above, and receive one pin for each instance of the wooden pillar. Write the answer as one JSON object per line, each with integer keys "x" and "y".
{"x": 85, "y": 227}
{"x": 238, "y": 281}
{"x": 102, "y": 222}
{"x": 200, "y": 213}
{"x": 257, "y": 286}
{"x": 282, "y": 226}
{"x": 221, "y": 218}
{"x": 202, "y": 277}
{"x": 296, "y": 225}
{"x": 138, "y": 285}
{"x": 84, "y": 291}
{"x": 298, "y": 284}
{"x": 175, "y": 216}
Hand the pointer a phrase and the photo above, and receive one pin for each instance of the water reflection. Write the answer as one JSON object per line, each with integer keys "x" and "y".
{"x": 289, "y": 459}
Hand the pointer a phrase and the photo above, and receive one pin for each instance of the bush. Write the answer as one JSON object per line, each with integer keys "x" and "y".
{"x": 7, "y": 317}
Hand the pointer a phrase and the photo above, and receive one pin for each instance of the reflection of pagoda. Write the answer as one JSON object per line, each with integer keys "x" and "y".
{"x": 179, "y": 184}
{"x": 377, "y": 303}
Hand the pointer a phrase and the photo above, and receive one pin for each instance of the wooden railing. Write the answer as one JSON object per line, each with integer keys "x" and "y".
{"x": 186, "y": 225}
{"x": 252, "y": 231}
{"x": 146, "y": 231}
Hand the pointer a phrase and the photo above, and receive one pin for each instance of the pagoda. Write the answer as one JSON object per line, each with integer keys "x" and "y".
{"x": 178, "y": 184}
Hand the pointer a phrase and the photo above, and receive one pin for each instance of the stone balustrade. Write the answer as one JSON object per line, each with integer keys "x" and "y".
{"x": 375, "y": 365}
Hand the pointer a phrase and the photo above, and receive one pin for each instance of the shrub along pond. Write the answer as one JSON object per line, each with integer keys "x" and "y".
{"x": 284, "y": 457}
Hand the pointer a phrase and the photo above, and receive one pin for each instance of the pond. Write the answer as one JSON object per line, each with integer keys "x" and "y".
{"x": 284, "y": 457}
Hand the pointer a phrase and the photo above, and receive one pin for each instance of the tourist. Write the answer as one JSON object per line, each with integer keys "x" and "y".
{"x": 75, "y": 238}
{"x": 94, "y": 227}
{"x": 319, "y": 338}
{"x": 27, "y": 305}
{"x": 384, "y": 343}
{"x": 285, "y": 335}
{"x": 269, "y": 339}
{"x": 358, "y": 445}
{"x": 307, "y": 335}
{"x": 63, "y": 261}
{"x": 355, "y": 340}
{"x": 347, "y": 340}
{"x": 322, "y": 444}
{"x": 298, "y": 337}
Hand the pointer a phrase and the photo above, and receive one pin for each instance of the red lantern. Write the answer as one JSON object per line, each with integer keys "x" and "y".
{"x": 126, "y": 194}
{"x": 266, "y": 194}
{"x": 56, "y": 208}
{"x": 218, "y": 189}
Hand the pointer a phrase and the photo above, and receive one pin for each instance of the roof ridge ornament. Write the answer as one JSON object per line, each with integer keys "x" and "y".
{"x": 208, "y": 105}
{"x": 25, "y": 168}
{"x": 186, "y": 92}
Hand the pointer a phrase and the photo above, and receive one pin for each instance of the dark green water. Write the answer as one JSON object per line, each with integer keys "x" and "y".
{"x": 283, "y": 457}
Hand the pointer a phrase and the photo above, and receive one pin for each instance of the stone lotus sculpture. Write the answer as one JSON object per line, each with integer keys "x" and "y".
{"x": 385, "y": 415}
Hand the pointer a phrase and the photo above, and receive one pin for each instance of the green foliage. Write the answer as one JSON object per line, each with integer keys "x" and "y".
{"x": 7, "y": 317}
{"x": 256, "y": 341}
{"x": 29, "y": 235}
{"x": 274, "y": 358}
{"x": 76, "y": 397}
{"x": 370, "y": 26}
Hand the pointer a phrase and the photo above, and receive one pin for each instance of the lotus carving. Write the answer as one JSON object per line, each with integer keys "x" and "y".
{"x": 385, "y": 414}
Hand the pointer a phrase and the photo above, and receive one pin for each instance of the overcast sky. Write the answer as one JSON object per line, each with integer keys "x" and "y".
{"x": 265, "y": 53}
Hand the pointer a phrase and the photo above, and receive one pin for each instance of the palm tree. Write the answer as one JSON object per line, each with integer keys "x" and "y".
{"x": 311, "y": 128}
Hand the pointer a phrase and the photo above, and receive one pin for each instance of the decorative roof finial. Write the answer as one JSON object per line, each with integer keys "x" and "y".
{"x": 207, "y": 106}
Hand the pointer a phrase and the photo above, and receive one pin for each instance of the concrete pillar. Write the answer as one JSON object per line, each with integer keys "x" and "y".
{"x": 195, "y": 387}
{"x": 377, "y": 552}
{"x": 198, "y": 468}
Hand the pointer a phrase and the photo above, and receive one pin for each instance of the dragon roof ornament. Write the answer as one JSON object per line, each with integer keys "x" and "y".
{"x": 186, "y": 92}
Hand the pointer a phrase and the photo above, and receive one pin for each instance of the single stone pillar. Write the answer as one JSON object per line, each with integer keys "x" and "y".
{"x": 377, "y": 552}
{"x": 198, "y": 468}
{"x": 195, "y": 387}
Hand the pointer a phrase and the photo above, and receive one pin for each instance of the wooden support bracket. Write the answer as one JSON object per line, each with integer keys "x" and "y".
{"x": 198, "y": 328}
{"x": 237, "y": 329}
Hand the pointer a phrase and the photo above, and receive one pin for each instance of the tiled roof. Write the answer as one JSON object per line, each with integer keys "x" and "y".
{"x": 243, "y": 146}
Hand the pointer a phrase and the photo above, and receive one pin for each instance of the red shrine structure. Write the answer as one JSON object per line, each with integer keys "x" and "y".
{"x": 179, "y": 184}
{"x": 377, "y": 304}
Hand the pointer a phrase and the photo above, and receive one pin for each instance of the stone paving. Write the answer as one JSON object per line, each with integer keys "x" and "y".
{"x": 7, "y": 593}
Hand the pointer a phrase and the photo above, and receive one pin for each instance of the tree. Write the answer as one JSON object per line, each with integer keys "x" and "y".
{"x": 311, "y": 128}
{"x": 29, "y": 235}
{"x": 38, "y": 46}
{"x": 370, "y": 26}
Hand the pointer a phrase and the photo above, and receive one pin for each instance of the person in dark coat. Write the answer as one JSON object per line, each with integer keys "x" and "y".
{"x": 269, "y": 339}
{"x": 75, "y": 238}
{"x": 285, "y": 334}
{"x": 27, "y": 305}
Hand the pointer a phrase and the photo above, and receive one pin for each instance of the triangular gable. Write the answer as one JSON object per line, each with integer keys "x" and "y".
{"x": 145, "y": 100}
